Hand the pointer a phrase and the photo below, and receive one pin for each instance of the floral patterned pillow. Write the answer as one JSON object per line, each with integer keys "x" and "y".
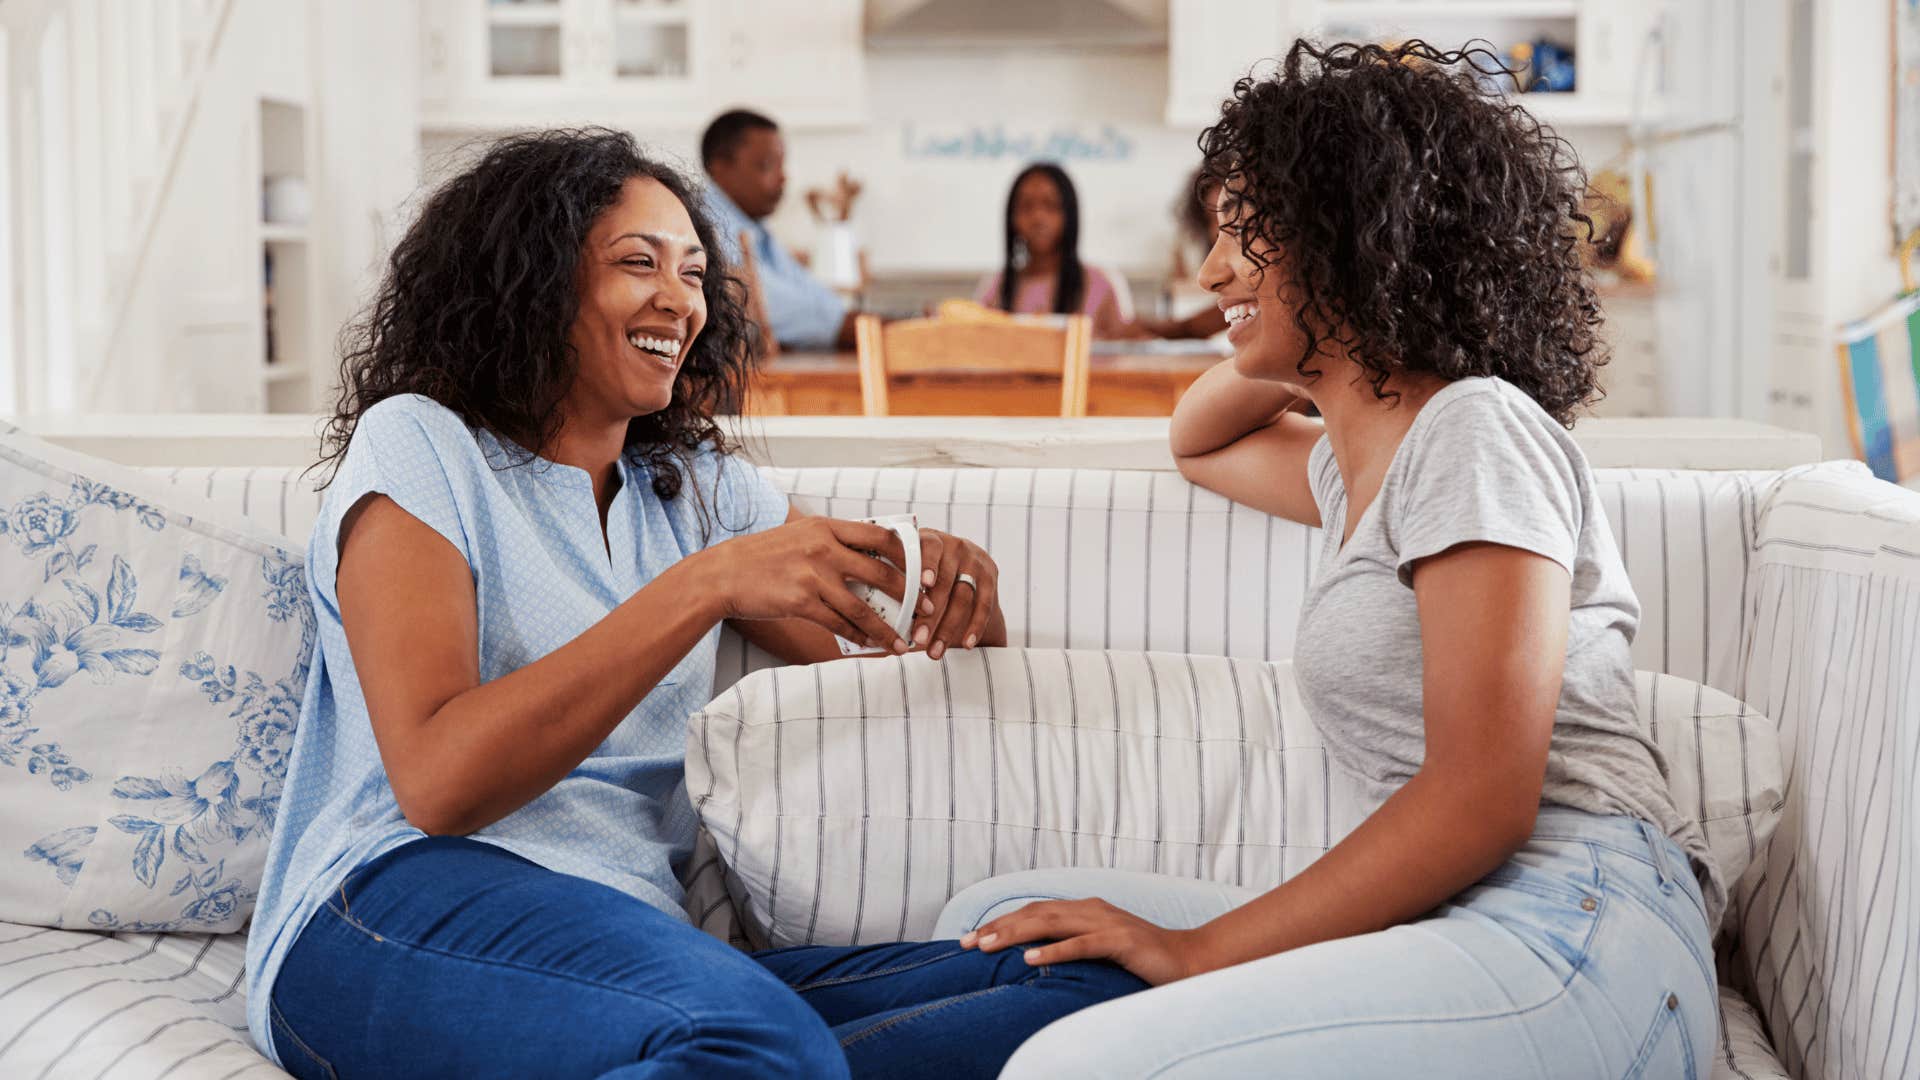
{"x": 152, "y": 662}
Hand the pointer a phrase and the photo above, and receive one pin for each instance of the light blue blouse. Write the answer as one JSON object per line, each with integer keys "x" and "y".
{"x": 542, "y": 575}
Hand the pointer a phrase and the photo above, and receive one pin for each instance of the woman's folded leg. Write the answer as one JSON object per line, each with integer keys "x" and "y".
{"x": 450, "y": 957}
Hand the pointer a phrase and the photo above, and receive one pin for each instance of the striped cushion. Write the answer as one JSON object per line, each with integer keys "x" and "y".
{"x": 1743, "y": 1053}
{"x": 1830, "y": 919}
{"x": 124, "y": 1006}
{"x": 851, "y": 800}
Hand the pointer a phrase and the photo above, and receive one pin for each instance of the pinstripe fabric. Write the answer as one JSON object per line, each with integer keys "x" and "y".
{"x": 1243, "y": 791}
{"x": 1829, "y": 917}
{"x": 1096, "y": 559}
{"x": 1027, "y": 733}
{"x": 84, "y": 1005}
{"x": 277, "y": 498}
{"x": 1744, "y": 1053}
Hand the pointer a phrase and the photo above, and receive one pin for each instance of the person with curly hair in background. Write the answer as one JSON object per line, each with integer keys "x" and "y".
{"x": 532, "y": 535}
{"x": 1524, "y": 899}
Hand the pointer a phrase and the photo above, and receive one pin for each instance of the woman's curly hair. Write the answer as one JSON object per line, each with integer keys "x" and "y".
{"x": 478, "y": 298}
{"x": 1426, "y": 224}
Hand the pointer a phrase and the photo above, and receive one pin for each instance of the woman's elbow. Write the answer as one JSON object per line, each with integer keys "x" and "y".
{"x": 431, "y": 808}
{"x": 1498, "y": 809}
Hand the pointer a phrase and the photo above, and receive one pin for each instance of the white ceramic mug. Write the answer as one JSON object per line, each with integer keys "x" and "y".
{"x": 897, "y": 614}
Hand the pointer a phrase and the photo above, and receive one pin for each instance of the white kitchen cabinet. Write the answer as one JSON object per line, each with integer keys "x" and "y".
{"x": 803, "y": 64}
{"x": 639, "y": 64}
{"x": 1211, "y": 43}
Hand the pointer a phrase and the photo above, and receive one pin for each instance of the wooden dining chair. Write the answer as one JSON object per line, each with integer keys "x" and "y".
{"x": 964, "y": 364}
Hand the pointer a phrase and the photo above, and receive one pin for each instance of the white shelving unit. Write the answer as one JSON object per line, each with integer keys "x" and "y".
{"x": 290, "y": 340}
{"x": 1606, "y": 37}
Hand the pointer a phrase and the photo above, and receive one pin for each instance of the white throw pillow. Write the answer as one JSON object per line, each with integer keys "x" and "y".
{"x": 850, "y": 800}
{"x": 152, "y": 663}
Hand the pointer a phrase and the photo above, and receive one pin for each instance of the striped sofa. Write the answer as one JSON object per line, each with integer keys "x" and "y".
{"x": 1797, "y": 591}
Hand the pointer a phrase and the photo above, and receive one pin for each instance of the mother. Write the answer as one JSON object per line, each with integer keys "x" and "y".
{"x": 531, "y": 540}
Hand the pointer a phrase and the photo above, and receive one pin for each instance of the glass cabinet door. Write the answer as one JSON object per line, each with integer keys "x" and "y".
{"x": 653, "y": 42}
{"x": 525, "y": 39}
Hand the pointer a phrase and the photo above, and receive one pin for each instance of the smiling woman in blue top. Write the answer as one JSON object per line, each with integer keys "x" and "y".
{"x": 746, "y": 160}
{"x": 532, "y": 536}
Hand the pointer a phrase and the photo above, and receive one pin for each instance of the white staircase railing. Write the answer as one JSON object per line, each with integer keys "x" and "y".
{"x": 104, "y": 93}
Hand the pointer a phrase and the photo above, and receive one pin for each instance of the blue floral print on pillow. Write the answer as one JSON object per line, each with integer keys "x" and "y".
{"x": 189, "y": 825}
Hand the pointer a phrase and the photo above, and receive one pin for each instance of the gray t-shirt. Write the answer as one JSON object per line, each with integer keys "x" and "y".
{"x": 1482, "y": 462}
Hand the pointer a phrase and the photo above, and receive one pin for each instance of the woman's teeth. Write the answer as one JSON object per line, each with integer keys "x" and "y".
{"x": 657, "y": 346}
{"x": 1240, "y": 313}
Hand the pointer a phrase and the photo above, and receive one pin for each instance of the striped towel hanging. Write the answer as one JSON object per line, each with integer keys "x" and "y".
{"x": 1880, "y": 374}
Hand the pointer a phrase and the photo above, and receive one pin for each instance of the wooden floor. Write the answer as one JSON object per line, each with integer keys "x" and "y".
{"x": 828, "y": 384}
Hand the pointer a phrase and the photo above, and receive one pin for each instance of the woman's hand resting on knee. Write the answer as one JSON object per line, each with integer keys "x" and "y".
{"x": 1090, "y": 930}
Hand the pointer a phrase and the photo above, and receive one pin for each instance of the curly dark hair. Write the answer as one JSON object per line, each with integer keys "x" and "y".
{"x": 1427, "y": 224}
{"x": 479, "y": 295}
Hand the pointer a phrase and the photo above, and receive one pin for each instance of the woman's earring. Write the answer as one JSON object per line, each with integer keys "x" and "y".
{"x": 1019, "y": 254}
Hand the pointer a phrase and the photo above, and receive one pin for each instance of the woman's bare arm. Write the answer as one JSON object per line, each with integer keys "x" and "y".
{"x": 1493, "y": 630}
{"x": 1232, "y": 434}
{"x": 461, "y": 754}
{"x": 1493, "y": 633}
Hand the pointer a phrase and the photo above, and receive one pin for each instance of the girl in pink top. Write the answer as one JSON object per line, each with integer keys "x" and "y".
{"x": 1043, "y": 272}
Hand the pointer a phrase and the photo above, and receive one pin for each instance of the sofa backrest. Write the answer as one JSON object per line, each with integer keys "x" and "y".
{"x": 1095, "y": 558}
{"x": 1798, "y": 592}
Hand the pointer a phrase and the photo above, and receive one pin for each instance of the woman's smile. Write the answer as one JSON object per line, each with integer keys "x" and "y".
{"x": 661, "y": 346}
{"x": 1240, "y": 319}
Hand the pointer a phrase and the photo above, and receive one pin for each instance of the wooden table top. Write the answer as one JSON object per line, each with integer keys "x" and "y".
{"x": 848, "y": 362}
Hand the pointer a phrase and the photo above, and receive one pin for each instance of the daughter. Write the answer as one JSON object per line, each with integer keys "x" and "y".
{"x": 1525, "y": 900}
{"x": 1043, "y": 272}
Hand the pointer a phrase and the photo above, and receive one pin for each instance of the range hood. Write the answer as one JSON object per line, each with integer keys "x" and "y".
{"x": 1016, "y": 23}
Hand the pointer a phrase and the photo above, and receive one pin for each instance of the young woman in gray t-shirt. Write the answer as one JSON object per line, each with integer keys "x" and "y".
{"x": 1402, "y": 251}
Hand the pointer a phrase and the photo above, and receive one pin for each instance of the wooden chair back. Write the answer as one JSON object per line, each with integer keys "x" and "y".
{"x": 974, "y": 353}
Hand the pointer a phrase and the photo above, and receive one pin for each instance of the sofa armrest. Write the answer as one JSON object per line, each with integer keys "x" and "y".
{"x": 1829, "y": 916}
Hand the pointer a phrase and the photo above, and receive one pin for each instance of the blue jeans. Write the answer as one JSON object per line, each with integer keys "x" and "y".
{"x": 1586, "y": 955}
{"x": 450, "y": 957}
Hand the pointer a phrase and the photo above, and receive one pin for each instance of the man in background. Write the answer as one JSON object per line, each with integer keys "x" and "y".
{"x": 745, "y": 159}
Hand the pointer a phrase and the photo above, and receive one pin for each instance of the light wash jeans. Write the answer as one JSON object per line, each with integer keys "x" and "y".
{"x": 1586, "y": 955}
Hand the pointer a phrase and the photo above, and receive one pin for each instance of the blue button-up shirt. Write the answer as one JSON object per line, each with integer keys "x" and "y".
{"x": 543, "y": 572}
{"x": 801, "y": 312}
